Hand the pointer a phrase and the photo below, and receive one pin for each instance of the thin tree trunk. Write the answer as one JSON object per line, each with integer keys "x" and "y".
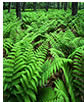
{"x": 74, "y": 8}
{"x": 4, "y": 5}
{"x": 65, "y": 6}
{"x": 47, "y": 5}
{"x": 34, "y": 5}
{"x": 9, "y": 7}
{"x": 58, "y": 5}
{"x": 18, "y": 9}
{"x": 62, "y": 5}
{"x": 23, "y": 6}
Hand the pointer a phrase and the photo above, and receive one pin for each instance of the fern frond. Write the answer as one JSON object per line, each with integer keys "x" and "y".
{"x": 61, "y": 91}
{"x": 7, "y": 45}
{"x": 78, "y": 70}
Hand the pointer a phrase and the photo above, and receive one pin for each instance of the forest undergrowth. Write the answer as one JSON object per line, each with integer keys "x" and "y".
{"x": 43, "y": 56}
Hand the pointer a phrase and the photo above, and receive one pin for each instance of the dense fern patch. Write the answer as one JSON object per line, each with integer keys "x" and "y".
{"x": 43, "y": 58}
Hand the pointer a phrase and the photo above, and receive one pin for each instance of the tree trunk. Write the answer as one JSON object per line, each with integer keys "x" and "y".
{"x": 74, "y": 8}
{"x": 18, "y": 9}
{"x": 65, "y": 6}
{"x": 47, "y": 5}
{"x": 4, "y": 5}
{"x": 34, "y": 6}
{"x": 62, "y": 5}
{"x": 58, "y": 5}
{"x": 9, "y": 7}
{"x": 23, "y": 6}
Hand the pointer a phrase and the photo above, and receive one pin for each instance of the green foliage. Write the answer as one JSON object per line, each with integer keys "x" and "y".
{"x": 78, "y": 69}
{"x": 7, "y": 45}
{"x": 43, "y": 57}
{"x": 46, "y": 95}
{"x": 77, "y": 25}
{"x": 61, "y": 92}
{"x": 22, "y": 71}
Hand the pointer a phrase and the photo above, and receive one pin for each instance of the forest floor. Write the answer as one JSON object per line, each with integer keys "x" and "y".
{"x": 53, "y": 40}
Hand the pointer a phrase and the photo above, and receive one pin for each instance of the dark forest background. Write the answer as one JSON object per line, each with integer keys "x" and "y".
{"x": 23, "y": 6}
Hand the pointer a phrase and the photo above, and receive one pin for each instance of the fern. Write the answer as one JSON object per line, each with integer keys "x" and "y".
{"x": 43, "y": 57}
{"x": 78, "y": 69}
{"x": 7, "y": 45}
{"x": 61, "y": 92}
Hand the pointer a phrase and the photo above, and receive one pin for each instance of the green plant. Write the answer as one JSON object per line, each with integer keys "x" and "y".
{"x": 43, "y": 57}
